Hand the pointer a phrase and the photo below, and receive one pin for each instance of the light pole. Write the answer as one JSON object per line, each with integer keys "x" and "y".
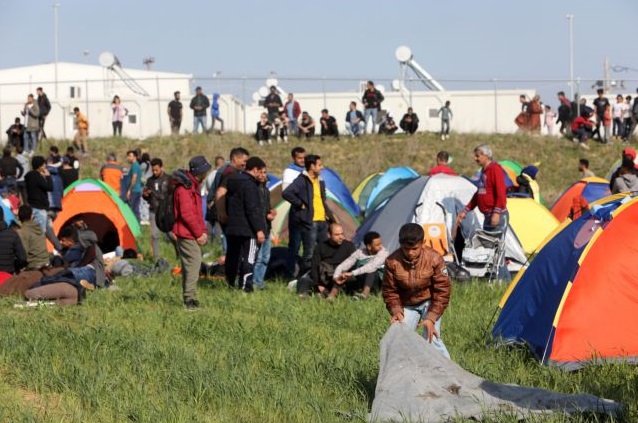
{"x": 570, "y": 18}
{"x": 56, "y": 6}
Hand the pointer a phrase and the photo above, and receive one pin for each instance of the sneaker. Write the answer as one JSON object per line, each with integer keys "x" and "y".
{"x": 87, "y": 285}
{"x": 584, "y": 146}
{"x": 269, "y": 141}
{"x": 292, "y": 285}
{"x": 285, "y": 139}
{"x": 261, "y": 143}
{"x": 191, "y": 305}
{"x": 34, "y": 303}
{"x": 248, "y": 288}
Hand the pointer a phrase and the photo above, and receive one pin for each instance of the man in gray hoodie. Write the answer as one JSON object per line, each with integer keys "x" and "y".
{"x": 626, "y": 181}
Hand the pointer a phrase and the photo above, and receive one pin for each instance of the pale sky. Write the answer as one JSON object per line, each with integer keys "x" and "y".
{"x": 452, "y": 40}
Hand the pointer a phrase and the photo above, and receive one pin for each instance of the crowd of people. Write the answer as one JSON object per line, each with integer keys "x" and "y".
{"x": 602, "y": 121}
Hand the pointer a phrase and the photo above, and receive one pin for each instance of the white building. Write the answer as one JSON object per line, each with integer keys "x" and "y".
{"x": 146, "y": 95}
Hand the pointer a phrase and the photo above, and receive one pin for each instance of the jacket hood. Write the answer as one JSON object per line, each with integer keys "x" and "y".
{"x": 215, "y": 96}
{"x": 184, "y": 178}
{"x": 294, "y": 166}
{"x": 307, "y": 175}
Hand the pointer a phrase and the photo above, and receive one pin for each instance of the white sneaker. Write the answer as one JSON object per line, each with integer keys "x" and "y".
{"x": 584, "y": 146}
{"x": 261, "y": 143}
{"x": 292, "y": 285}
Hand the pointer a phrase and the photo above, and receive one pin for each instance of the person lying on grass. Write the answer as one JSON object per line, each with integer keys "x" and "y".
{"x": 416, "y": 287}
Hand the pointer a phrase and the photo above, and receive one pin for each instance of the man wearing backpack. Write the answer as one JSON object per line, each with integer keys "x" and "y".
{"x": 154, "y": 192}
{"x": 189, "y": 227}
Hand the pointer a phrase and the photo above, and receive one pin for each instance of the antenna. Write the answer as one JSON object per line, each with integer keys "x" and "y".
{"x": 404, "y": 55}
{"x": 111, "y": 62}
{"x": 148, "y": 61}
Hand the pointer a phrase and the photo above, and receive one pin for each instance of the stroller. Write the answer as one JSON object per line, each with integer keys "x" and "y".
{"x": 485, "y": 253}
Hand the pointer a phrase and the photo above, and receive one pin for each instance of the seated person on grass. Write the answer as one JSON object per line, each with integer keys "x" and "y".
{"x": 33, "y": 240}
{"x": 327, "y": 256}
{"x": 12, "y": 255}
{"x": 363, "y": 269}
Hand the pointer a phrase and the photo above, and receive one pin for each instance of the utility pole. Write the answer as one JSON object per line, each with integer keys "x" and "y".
{"x": 56, "y": 6}
{"x": 570, "y": 18}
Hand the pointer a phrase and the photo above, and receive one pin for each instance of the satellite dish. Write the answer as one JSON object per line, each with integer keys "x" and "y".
{"x": 380, "y": 88}
{"x": 403, "y": 54}
{"x": 396, "y": 85}
{"x": 256, "y": 97}
{"x": 107, "y": 59}
{"x": 263, "y": 91}
{"x": 271, "y": 82}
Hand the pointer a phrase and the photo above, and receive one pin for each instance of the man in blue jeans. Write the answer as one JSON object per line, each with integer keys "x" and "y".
{"x": 263, "y": 255}
{"x": 307, "y": 198}
{"x": 134, "y": 189}
{"x": 199, "y": 104}
{"x": 371, "y": 100}
{"x": 416, "y": 287}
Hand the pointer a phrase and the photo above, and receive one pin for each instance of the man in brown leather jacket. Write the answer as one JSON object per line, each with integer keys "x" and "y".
{"x": 416, "y": 287}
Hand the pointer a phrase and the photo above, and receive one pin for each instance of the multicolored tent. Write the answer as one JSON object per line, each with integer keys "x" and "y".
{"x": 103, "y": 211}
{"x": 531, "y": 222}
{"x": 577, "y": 301}
{"x": 362, "y": 192}
{"x": 339, "y": 190}
{"x": 387, "y": 184}
{"x": 9, "y": 218}
{"x": 591, "y": 189}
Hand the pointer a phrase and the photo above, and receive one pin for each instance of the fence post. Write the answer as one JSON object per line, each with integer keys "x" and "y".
{"x": 159, "y": 106}
{"x": 494, "y": 81}
{"x": 243, "y": 100}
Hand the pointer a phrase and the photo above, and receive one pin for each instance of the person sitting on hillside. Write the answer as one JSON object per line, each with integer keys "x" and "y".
{"x": 583, "y": 129}
{"x": 443, "y": 159}
{"x": 355, "y": 124}
{"x": 13, "y": 258}
{"x": 326, "y": 257}
{"x": 409, "y": 122}
{"x": 264, "y": 128}
{"x": 363, "y": 269}
{"x": 388, "y": 126}
{"x": 306, "y": 126}
{"x": 329, "y": 126}
{"x": 626, "y": 181}
{"x": 33, "y": 239}
{"x": 526, "y": 181}
{"x": 15, "y": 133}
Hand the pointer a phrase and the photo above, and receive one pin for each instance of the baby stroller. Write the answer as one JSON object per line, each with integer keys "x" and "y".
{"x": 485, "y": 253}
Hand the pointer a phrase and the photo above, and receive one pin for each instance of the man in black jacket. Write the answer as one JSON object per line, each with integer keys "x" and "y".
{"x": 12, "y": 254}
{"x": 199, "y": 104}
{"x": 45, "y": 108}
{"x": 10, "y": 169}
{"x": 155, "y": 191}
{"x": 246, "y": 227}
{"x": 371, "y": 100}
{"x": 39, "y": 184}
{"x": 307, "y": 197}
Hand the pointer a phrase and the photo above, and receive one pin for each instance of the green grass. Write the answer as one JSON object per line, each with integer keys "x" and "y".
{"x": 136, "y": 355}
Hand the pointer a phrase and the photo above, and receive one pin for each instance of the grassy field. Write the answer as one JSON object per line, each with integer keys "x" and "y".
{"x": 136, "y": 355}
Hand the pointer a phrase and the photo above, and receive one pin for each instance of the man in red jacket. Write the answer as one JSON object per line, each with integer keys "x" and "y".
{"x": 491, "y": 196}
{"x": 190, "y": 227}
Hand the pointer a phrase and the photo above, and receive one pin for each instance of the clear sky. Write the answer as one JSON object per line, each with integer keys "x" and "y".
{"x": 453, "y": 40}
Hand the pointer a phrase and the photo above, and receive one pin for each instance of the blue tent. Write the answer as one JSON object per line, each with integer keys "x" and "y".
{"x": 272, "y": 181}
{"x": 390, "y": 182}
{"x": 335, "y": 185}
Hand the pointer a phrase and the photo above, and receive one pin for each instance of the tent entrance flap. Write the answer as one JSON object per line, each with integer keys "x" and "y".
{"x": 108, "y": 238}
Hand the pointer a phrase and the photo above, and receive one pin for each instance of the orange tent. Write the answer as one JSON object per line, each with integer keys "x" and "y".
{"x": 591, "y": 189}
{"x": 101, "y": 208}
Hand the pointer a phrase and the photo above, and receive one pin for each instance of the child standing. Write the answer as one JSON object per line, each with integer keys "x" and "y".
{"x": 550, "y": 120}
{"x": 607, "y": 123}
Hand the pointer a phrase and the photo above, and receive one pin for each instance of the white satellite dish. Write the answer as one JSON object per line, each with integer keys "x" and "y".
{"x": 263, "y": 91}
{"x": 380, "y": 88}
{"x": 271, "y": 82}
{"x": 256, "y": 97}
{"x": 107, "y": 59}
{"x": 396, "y": 85}
{"x": 403, "y": 54}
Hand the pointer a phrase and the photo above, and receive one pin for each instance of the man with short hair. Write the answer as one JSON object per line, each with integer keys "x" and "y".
{"x": 306, "y": 126}
{"x": 293, "y": 111}
{"x": 45, "y": 108}
{"x": 409, "y": 122}
{"x": 12, "y": 255}
{"x": 355, "y": 124}
{"x": 10, "y": 169}
{"x": 15, "y": 133}
{"x": 134, "y": 188}
{"x": 39, "y": 184}
{"x": 307, "y": 197}
{"x": 600, "y": 102}
{"x": 371, "y": 100}
{"x": 273, "y": 103}
{"x": 442, "y": 161}
{"x": 31, "y": 113}
{"x": 82, "y": 125}
{"x": 156, "y": 190}
{"x": 328, "y": 125}
{"x": 294, "y": 169}
{"x": 111, "y": 173}
{"x": 416, "y": 287}
{"x": 490, "y": 197}
{"x": 246, "y": 225}
{"x": 263, "y": 255}
{"x": 238, "y": 158}
{"x": 33, "y": 239}
{"x": 583, "y": 168}
{"x": 199, "y": 104}
{"x": 326, "y": 257}
{"x": 189, "y": 227}
{"x": 175, "y": 113}
{"x": 564, "y": 113}
{"x": 363, "y": 268}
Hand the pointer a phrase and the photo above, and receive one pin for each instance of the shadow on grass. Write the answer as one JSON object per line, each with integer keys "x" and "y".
{"x": 368, "y": 385}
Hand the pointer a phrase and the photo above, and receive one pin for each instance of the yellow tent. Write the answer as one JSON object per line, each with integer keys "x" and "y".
{"x": 531, "y": 222}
